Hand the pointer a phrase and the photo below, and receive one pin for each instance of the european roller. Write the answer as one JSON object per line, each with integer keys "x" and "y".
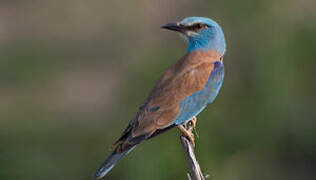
{"x": 182, "y": 91}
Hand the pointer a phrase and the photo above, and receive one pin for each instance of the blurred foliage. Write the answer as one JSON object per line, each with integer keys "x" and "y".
{"x": 74, "y": 72}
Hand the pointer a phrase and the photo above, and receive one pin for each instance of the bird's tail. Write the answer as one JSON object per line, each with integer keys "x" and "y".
{"x": 111, "y": 161}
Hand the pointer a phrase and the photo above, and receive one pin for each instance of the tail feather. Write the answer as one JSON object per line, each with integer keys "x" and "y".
{"x": 110, "y": 162}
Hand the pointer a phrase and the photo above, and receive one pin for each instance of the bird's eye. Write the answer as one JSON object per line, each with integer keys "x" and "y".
{"x": 197, "y": 27}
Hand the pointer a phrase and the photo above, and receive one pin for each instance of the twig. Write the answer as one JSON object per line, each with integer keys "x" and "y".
{"x": 196, "y": 172}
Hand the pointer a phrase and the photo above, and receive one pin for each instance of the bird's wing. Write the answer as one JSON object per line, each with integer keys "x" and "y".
{"x": 160, "y": 109}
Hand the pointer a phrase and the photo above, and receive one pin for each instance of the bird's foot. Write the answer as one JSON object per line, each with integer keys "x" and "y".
{"x": 188, "y": 134}
{"x": 191, "y": 124}
{"x": 187, "y": 128}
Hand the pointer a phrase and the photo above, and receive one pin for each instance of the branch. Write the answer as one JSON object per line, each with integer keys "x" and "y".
{"x": 196, "y": 172}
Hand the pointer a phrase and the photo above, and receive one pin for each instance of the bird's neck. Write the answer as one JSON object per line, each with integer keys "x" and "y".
{"x": 211, "y": 41}
{"x": 205, "y": 45}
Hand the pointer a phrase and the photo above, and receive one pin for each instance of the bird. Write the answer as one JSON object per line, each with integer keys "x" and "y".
{"x": 182, "y": 91}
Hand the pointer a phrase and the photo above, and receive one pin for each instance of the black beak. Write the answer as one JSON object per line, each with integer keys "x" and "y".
{"x": 174, "y": 26}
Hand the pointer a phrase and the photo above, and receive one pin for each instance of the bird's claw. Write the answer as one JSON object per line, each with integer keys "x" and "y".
{"x": 187, "y": 129}
{"x": 191, "y": 124}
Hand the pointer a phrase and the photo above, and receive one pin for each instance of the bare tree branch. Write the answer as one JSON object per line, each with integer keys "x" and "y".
{"x": 196, "y": 172}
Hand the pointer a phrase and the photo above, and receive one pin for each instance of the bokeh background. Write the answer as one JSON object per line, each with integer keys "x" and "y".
{"x": 73, "y": 73}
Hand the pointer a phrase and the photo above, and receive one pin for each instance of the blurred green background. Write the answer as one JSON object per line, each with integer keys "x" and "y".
{"x": 73, "y": 73}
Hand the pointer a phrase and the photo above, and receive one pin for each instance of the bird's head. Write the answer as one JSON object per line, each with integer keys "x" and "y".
{"x": 201, "y": 34}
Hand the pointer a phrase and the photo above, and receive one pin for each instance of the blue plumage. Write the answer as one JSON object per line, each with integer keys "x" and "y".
{"x": 194, "y": 104}
{"x": 208, "y": 38}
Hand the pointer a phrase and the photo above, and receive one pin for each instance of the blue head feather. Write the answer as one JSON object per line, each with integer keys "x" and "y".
{"x": 212, "y": 37}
